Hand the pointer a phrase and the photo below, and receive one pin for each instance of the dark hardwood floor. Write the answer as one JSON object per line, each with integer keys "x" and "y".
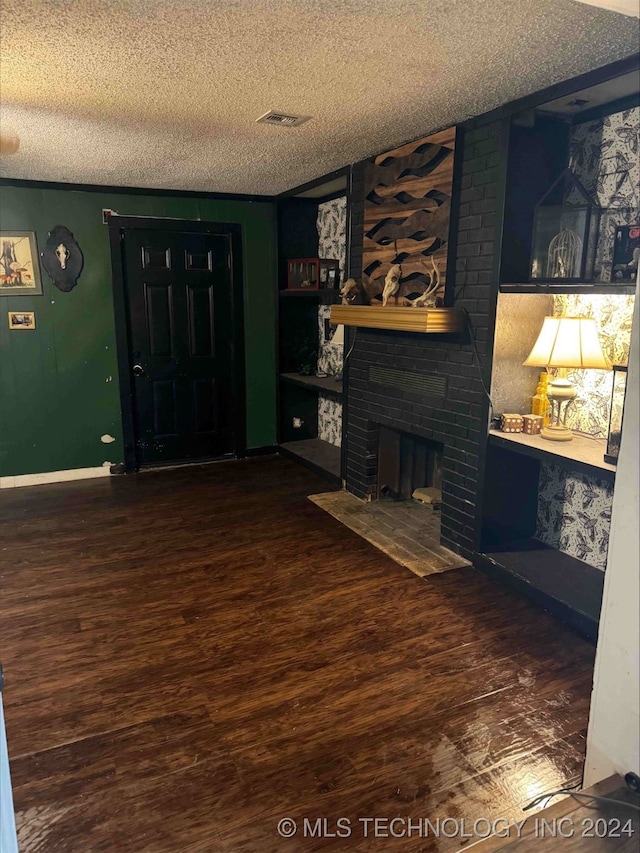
{"x": 193, "y": 655}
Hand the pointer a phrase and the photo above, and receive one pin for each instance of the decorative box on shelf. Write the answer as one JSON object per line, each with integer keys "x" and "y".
{"x": 532, "y": 424}
{"x": 313, "y": 274}
{"x": 511, "y": 423}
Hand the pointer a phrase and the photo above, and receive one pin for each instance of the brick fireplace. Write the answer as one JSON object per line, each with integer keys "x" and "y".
{"x": 406, "y": 462}
{"x": 429, "y": 386}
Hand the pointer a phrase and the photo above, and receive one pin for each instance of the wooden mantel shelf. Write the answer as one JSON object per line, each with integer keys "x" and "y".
{"x": 426, "y": 320}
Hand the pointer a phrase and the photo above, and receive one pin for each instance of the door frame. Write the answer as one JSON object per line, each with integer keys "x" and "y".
{"x": 118, "y": 225}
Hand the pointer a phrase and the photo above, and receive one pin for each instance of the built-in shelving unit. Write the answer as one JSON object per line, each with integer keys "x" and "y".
{"x": 318, "y": 455}
{"x": 538, "y": 152}
{"x": 509, "y": 548}
{"x": 545, "y": 144}
{"x": 300, "y": 394}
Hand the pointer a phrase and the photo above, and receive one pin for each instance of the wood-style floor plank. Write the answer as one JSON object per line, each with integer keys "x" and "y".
{"x": 192, "y": 655}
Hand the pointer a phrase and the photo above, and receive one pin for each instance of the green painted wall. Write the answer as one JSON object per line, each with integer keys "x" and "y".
{"x": 59, "y": 383}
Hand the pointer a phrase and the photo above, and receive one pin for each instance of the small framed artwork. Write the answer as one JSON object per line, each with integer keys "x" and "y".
{"x": 22, "y": 319}
{"x": 19, "y": 264}
{"x": 333, "y": 278}
{"x": 626, "y": 253}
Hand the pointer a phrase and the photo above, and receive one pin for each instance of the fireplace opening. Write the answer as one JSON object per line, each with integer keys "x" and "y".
{"x": 407, "y": 462}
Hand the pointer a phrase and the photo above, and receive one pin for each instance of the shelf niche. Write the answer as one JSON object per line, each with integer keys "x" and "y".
{"x": 544, "y": 144}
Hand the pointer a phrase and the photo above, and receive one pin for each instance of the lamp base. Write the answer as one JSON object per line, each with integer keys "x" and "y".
{"x": 556, "y": 433}
{"x": 560, "y": 392}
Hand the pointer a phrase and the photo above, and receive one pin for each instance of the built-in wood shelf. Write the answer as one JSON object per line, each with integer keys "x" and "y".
{"x": 325, "y": 384}
{"x": 425, "y": 320}
{"x": 326, "y": 296}
{"x": 581, "y": 453}
{"x": 596, "y": 287}
{"x": 315, "y": 454}
{"x": 561, "y": 583}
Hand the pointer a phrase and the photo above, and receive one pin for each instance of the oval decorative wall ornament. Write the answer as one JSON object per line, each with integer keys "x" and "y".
{"x": 62, "y": 258}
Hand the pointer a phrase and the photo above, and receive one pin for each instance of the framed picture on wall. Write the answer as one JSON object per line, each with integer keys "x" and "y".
{"x": 22, "y": 319}
{"x": 626, "y": 253}
{"x": 19, "y": 264}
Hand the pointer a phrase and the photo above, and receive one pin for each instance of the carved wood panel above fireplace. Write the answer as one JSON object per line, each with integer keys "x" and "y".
{"x": 407, "y": 208}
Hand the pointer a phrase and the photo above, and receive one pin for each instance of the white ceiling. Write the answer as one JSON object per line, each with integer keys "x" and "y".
{"x": 152, "y": 93}
{"x": 625, "y": 7}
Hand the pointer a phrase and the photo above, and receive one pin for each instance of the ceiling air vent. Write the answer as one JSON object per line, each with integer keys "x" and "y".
{"x": 282, "y": 119}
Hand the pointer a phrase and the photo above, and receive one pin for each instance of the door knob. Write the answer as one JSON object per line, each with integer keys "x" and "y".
{"x": 138, "y": 370}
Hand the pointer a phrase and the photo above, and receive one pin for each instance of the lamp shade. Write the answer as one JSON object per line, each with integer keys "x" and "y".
{"x": 338, "y": 335}
{"x": 568, "y": 342}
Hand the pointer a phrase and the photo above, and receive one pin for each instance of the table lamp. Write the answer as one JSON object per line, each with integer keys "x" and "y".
{"x": 565, "y": 343}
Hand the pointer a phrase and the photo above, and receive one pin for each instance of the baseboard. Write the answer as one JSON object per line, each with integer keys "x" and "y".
{"x": 54, "y": 477}
{"x": 102, "y": 471}
{"x": 268, "y": 450}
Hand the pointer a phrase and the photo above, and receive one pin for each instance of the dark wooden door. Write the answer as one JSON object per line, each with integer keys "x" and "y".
{"x": 179, "y": 302}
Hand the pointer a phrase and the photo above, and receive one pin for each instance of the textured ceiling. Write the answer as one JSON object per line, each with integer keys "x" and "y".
{"x": 152, "y": 93}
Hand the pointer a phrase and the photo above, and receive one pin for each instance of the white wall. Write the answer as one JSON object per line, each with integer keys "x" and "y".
{"x": 613, "y": 740}
{"x": 8, "y": 838}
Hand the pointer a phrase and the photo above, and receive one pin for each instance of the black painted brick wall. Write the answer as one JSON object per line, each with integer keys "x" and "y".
{"x": 460, "y": 418}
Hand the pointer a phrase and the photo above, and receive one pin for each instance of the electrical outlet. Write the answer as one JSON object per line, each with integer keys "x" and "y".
{"x": 297, "y": 423}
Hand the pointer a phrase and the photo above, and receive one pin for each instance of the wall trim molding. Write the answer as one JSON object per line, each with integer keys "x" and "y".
{"x": 55, "y": 476}
{"x": 124, "y": 190}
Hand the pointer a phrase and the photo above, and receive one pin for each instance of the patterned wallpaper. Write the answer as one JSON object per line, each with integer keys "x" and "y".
{"x": 604, "y": 156}
{"x": 329, "y": 354}
{"x": 574, "y": 514}
{"x": 614, "y": 315}
{"x": 332, "y": 230}
{"x": 574, "y": 510}
{"x": 332, "y": 243}
{"x": 330, "y": 420}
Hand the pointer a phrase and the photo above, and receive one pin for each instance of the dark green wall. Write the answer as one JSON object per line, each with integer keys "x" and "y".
{"x": 59, "y": 383}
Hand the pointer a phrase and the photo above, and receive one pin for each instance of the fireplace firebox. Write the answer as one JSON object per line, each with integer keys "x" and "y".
{"x": 407, "y": 462}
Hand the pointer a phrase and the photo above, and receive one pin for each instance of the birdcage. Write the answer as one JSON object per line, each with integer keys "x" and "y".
{"x": 565, "y": 232}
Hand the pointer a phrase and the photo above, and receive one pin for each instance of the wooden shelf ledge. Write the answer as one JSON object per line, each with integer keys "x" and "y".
{"x": 425, "y": 320}
{"x": 581, "y": 453}
{"x": 596, "y": 287}
{"x": 317, "y": 455}
{"x": 322, "y": 384}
